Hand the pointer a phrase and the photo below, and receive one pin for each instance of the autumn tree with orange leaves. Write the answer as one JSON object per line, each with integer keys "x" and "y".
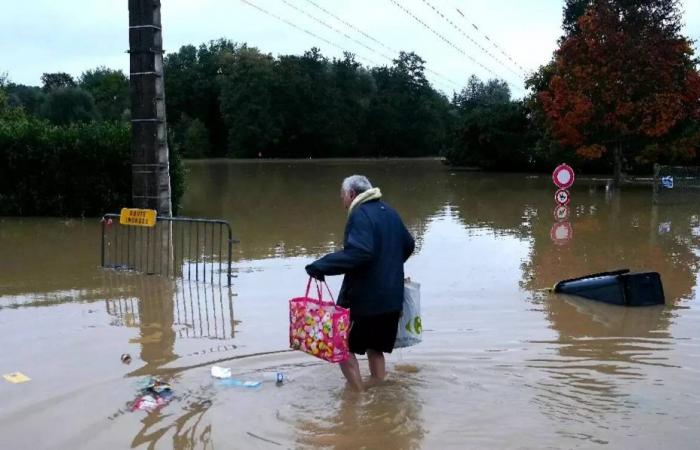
{"x": 624, "y": 84}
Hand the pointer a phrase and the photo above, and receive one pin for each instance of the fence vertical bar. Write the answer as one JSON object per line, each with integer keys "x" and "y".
{"x": 230, "y": 246}
{"x": 128, "y": 248}
{"x": 102, "y": 252}
{"x": 221, "y": 239}
{"x": 116, "y": 247}
{"x": 196, "y": 267}
{"x": 148, "y": 246}
{"x": 204, "y": 252}
{"x": 213, "y": 263}
{"x": 141, "y": 242}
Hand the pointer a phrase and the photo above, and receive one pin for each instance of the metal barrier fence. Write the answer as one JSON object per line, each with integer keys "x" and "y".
{"x": 194, "y": 249}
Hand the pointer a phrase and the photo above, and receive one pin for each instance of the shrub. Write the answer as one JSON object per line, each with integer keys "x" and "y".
{"x": 81, "y": 169}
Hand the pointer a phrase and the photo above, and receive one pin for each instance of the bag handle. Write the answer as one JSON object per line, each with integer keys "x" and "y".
{"x": 319, "y": 290}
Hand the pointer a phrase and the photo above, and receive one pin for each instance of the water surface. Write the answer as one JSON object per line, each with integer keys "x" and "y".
{"x": 504, "y": 364}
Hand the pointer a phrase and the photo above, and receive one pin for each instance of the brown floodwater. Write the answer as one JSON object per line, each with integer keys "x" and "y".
{"x": 503, "y": 364}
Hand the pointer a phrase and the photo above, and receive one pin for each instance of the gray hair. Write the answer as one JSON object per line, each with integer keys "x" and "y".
{"x": 357, "y": 184}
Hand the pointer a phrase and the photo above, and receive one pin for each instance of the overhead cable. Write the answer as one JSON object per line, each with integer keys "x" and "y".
{"x": 448, "y": 42}
{"x": 463, "y": 33}
{"x": 357, "y": 30}
{"x": 498, "y": 47}
{"x": 310, "y": 33}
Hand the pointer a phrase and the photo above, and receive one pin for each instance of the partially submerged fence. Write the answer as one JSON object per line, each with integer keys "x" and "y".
{"x": 193, "y": 249}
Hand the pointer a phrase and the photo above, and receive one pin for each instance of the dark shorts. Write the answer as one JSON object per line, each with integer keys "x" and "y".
{"x": 376, "y": 333}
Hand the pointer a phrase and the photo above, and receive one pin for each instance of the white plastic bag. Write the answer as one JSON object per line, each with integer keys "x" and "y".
{"x": 410, "y": 330}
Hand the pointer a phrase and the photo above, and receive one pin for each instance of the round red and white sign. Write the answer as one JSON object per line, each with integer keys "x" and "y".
{"x": 563, "y": 176}
{"x": 562, "y": 197}
{"x": 561, "y": 212}
{"x": 561, "y": 232}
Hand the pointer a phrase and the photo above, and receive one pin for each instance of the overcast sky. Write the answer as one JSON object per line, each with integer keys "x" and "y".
{"x": 71, "y": 36}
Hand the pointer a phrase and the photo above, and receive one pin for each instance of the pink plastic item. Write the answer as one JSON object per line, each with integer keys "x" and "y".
{"x": 318, "y": 327}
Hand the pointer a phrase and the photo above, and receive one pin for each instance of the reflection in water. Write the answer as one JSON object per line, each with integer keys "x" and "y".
{"x": 386, "y": 416}
{"x": 186, "y": 429}
{"x": 601, "y": 350}
{"x": 198, "y": 310}
{"x": 496, "y": 351}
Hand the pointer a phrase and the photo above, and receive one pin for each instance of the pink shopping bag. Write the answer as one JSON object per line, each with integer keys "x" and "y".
{"x": 318, "y": 327}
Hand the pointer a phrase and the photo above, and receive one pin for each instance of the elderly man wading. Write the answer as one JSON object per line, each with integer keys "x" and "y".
{"x": 376, "y": 246}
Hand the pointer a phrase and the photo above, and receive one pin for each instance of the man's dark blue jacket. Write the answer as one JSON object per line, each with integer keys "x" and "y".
{"x": 377, "y": 244}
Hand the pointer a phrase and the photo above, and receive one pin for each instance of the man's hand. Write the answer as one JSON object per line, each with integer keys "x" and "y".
{"x": 314, "y": 273}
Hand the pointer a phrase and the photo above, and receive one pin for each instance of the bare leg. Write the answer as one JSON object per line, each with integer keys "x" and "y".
{"x": 351, "y": 370}
{"x": 377, "y": 366}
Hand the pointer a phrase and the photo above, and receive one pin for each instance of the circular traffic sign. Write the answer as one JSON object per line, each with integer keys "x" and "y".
{"x": 561, "y": 213}
{"x": 562, "y": 197}
{"x": 563, "y": 176}
{"x": 561, "y": 232}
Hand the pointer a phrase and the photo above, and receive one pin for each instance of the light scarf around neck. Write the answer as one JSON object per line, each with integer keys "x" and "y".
{"x": 369, "y": 194}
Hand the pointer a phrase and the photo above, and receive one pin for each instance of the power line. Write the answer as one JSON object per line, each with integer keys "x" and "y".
{"x": 351, "y": 26}
{"x": 332, "y": 28}
{"x": 447, "y": 41}
{"x": 491, "y": 41}
{"x": 463, "y": 33}
{"x": 354, "y": 28}
{"x": 310, "y": 33}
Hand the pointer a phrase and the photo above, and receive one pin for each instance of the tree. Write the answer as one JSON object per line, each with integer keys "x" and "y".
{"x": 406, "y": 117}
{"x": 191, "y": 138}
{"x": 110, "y": 89}
{"x": 246, "y": 103}
{"x": 68, "y": 105}
{"x": 493, "y": 131}
{"x": 56, "y": 80}
{"x": 478, "y": 93}
{"x": 194, "y": 91}
{"x": 29, "y": 98}
{"x": 573, "y": 10}
{"x": 3, "y": 93}
{"x": 628, "y": 82}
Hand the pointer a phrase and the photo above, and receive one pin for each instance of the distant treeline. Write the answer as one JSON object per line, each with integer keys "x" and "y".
{"x": 628, "y": 101}
{"x": 229, "y": 100}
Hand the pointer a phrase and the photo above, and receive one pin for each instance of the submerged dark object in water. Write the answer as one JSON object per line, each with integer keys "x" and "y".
{"x": 619, "y": 288}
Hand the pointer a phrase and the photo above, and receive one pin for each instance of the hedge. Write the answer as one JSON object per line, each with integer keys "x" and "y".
{"x": 68, "y": 171}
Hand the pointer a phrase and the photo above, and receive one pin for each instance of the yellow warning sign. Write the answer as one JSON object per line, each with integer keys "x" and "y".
{"x": 16, "y": 377}
{"x": 138, "y": 217}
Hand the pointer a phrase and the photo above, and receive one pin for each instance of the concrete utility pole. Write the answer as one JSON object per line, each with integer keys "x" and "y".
{"x": 149, "y": 141}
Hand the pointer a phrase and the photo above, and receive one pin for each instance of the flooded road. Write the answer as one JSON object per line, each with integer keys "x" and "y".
{"x": 504, "y": 364}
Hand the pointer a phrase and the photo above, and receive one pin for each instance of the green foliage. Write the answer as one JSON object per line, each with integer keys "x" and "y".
{"x": 3, "y": 99}
{"x": 478, "y": 93}
{"x": 77, "y": 170}
{"x": 29, "y": 98}
{"x": 253, "y": 104}
{"x": 57, "y": 80}
{"x": 82, "y": 169}
{"x": 178, "y": 178}
{"x": 406, "y": 117}
{"x": 191, "y": 139}
{"x": 193, "y": 90}
{"x": 68, "y": 105}
{"x": 110, "y": 89}
{"x": 494, "y": 131}
{"x": 246, "y": 103}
